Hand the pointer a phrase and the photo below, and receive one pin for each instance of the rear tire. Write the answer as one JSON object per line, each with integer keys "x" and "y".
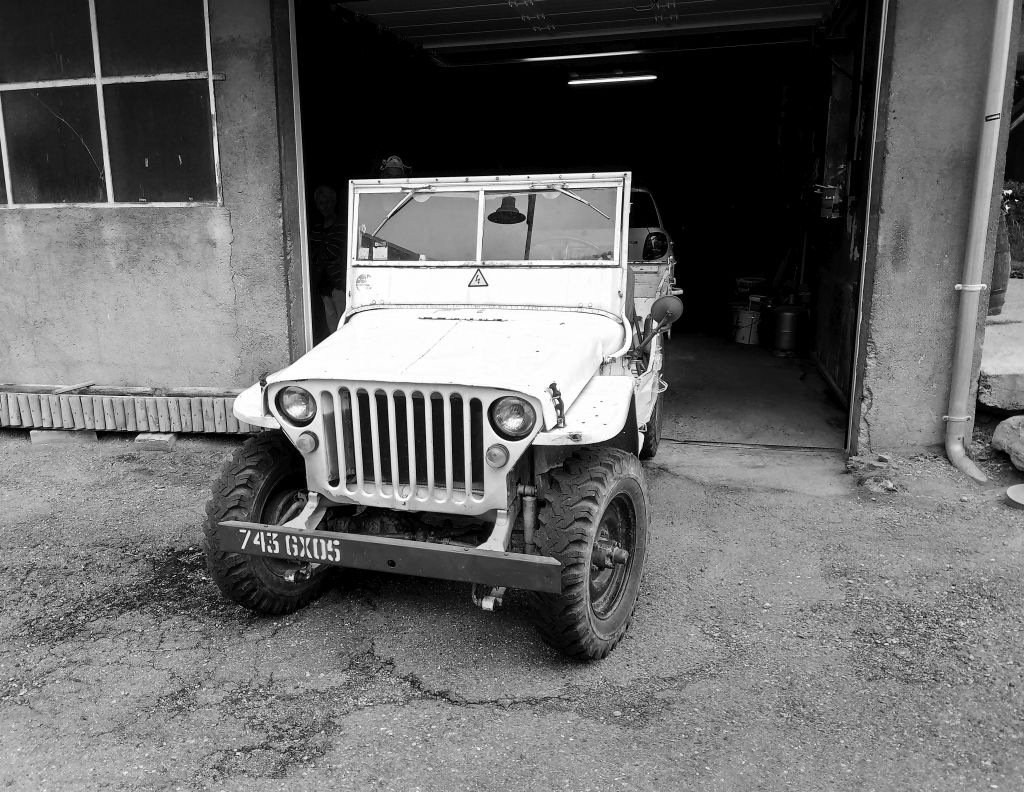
{"x": 598, "y": 496}
{"x": 261, "y": 483}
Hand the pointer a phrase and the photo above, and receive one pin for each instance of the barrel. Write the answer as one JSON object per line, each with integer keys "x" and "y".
{"x": 785, "y": 339}
{"x": 744, "y": 324}
{"x": 1000, "y": 270}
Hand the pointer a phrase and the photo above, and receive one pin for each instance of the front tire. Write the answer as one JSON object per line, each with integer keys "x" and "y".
{"x": 596, "y": 501}
{"x": 263, "y": 482}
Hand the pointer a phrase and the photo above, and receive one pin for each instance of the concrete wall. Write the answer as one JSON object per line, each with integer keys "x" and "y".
{"x": 159, "y": 297}
{"x": 930, "y": 117}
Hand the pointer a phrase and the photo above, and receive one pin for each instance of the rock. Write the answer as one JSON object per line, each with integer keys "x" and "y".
{"x": 873, "y": 473}
{"x": 1009, "y": 437}
{"x": 155, "y": 441}
{"x": 879, "y": 484}
{"x": 860, "y": 464}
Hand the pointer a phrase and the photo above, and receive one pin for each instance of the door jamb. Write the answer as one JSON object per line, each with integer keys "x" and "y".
{"x": 300, "y": 178}
{"x": 870, "y": 230}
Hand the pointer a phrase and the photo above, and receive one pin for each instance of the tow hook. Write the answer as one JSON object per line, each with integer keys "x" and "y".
{"x": 488, "y": 602}
{"x": 607, "y": 556}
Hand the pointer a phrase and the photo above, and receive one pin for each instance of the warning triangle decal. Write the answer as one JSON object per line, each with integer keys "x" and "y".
{"x": 478, "y": 279}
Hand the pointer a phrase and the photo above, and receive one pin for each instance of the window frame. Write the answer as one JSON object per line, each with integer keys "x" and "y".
{"x": 500, "y": 185}
{"x": 99, "y": 81}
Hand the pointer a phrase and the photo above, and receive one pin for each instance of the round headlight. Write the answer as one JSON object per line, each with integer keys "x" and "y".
{"x": 297, "y": 404}
{"x": 512, "y": 417}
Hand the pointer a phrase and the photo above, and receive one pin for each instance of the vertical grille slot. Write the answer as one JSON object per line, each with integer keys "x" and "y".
{"x": 330, "y": 438}
{"x": 476, "y": 413}
{"x": 345, "y": 437}
{"x": 357, "y": 438}
{"x": 398, "y": 419}
{"x": 412, "y": 466}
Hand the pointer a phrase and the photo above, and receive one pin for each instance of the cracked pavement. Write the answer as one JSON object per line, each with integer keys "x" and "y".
{"x": 795, "y": 631}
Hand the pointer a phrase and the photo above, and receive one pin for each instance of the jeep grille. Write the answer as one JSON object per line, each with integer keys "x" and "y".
{"x": 407, "y": 444}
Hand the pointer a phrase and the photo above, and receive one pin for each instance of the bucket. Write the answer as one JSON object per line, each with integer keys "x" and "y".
{"x": 745, "y": 286}
{"x": 744, "y": 324}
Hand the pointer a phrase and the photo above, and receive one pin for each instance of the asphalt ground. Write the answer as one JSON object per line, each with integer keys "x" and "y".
{"x": 796, "y": 631}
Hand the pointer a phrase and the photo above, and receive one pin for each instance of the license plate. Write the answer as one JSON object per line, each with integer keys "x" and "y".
{"x": 264, "y": 541}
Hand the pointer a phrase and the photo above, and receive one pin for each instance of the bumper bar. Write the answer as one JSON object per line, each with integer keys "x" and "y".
{"x": 400, "y": 556}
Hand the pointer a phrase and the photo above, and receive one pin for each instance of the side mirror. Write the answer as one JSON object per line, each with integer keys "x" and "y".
{"x": 666, "y": 310}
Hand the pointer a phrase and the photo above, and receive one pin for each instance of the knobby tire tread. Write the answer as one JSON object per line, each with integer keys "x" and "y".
{"x": 568, "y": 520}
{"x": 233, "y": 498}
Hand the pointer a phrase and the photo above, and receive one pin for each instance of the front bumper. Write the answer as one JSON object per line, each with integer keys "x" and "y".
{"x": 400, "y": 556}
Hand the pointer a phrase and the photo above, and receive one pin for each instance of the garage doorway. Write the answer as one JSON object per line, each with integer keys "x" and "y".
{"x": 754, "y": 139}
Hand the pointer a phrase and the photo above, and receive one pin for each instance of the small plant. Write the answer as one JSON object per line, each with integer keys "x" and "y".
{"x": 1013, "y": 211}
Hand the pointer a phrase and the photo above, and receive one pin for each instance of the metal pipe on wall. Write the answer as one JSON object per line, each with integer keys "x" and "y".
{"x": 977, "y": 232}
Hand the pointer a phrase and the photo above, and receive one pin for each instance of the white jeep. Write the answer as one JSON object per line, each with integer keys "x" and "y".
{"x": 477, "y": 416}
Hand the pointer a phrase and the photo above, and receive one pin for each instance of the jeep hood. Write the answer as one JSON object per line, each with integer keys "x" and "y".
{"x": 517, "y": 350}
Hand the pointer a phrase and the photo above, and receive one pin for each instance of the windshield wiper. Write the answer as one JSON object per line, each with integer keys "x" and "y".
{"x": 575, "y": 197}
{"x": 396, "y": 210}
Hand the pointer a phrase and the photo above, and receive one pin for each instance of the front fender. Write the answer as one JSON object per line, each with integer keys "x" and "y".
{"x": 248, "y": 407}
{"x": 599, "y": 413}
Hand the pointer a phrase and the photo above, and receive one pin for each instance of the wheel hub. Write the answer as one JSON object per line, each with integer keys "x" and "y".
{"x": 609, "y": 559}
{"x": 607, "y": 554}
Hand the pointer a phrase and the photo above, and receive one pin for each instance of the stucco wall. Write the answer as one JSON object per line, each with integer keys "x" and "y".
{"x": 932, "y": 110}
{"x": 160, "y": 297}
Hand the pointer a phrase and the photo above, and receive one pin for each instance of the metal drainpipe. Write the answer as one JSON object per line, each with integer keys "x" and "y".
{"x": 977, "y": 233}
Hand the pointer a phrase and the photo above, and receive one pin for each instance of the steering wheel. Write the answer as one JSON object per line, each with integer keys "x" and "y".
{"x": 566, "y": 243}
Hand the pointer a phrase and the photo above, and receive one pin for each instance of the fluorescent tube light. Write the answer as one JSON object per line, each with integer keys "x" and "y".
{"x": 582, "y": 56}
{"x": 617, "y": 79}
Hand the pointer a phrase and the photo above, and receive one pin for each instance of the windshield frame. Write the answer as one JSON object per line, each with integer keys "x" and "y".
{"x": 483, "y": 187}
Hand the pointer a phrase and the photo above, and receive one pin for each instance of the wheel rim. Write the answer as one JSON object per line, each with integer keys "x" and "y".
{"x": 616, "y": 529}
{"x": 279, "y": 506}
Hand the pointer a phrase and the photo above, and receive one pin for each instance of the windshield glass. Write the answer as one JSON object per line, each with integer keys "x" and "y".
{"x": 546, "y": 223}
{"x": 550, "y": 225}
{"x": 642, "y": 213}
{"x": 429, "y": 227}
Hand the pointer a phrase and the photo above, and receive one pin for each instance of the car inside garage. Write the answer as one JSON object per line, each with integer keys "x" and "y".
{"x": 748, "y": 122}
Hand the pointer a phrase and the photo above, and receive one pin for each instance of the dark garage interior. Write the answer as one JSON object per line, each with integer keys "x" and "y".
{"x": 751, "y": 141}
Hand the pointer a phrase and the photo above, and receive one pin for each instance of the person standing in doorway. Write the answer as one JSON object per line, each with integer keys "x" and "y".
{"x": 327, "y": 263}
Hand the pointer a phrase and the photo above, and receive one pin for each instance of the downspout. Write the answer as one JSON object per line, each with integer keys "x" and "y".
{"x": 959, "y": 416}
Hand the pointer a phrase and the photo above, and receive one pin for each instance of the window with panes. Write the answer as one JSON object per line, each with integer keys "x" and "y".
{"x": 107, "y": 102}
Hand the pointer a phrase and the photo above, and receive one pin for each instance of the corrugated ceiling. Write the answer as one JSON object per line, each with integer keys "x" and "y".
{"x": 451, "y": 26}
